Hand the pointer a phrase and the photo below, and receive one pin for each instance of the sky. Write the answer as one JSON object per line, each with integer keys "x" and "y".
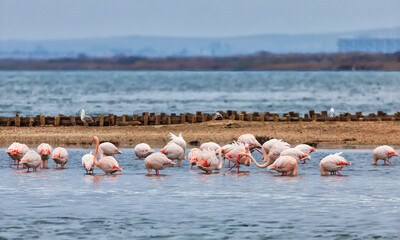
{"x": 69, "y": 19}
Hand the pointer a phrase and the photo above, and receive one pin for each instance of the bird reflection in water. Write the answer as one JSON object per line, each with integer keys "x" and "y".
{"x": 96, "y": 179}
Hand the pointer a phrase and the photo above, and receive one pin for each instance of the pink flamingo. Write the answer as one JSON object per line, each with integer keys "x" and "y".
{"x": 225, "y": 150}
{"x": 178, "y": 140}
{"x": 142, "y": 150}
{"x": 295, "y": 153}
{"x": 108, "y": 164}
{"x": 193, "y": 156}
{"x": 109, "y": 149}
{"x": 275, "y": 152}
{"x": 332, "y": 164}
{"x": 44, "y": 150}
{"x": 10, "y": 149}
{"x": 157, "y": 161}
{"x": 60, "y": 156}
{"x": 237, "y": 157}
{"x": 250, "y": 140}
{"x": 268, "y": 145}
{"x": 208, "y": 161}
{"x": 384, "y": 152}
{"x": 285, "y": 164}
{"x": 18, "y": 152}
{"x": 88, "y": 162}
{"x": 174, "y": 151}
{"x": 307, "y": 149}
{"x": 210, "y": 146}
{"x": 32, "y": 160}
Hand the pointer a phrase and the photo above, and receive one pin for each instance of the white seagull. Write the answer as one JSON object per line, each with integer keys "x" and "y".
{"x": 86, "y": 118}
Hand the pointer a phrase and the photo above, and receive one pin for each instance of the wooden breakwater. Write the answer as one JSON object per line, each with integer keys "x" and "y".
{"x": 163, "y": 119}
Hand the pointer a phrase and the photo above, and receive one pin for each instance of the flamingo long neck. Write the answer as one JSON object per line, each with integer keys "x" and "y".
{"x": 323, "y": 172}
{"x": 257, "y": 164}
{"x": 375, "y": 160}
{"x": 97, "y": 150}
{"x": 294, "y": 172}
{"x": 265, "y": 155}
{"x": 220, "y": 160}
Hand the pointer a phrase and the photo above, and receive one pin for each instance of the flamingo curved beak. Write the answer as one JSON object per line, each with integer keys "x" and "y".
{"x": 395, "y": 153}
{"x": 312, "y": 150}
{"x": 116, "y": 167}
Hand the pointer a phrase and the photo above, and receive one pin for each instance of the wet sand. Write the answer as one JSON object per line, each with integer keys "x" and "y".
{"x": 320, "y": 134}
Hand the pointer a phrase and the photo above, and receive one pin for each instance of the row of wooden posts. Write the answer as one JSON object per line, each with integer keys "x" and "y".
{"x": 163, "y": 119}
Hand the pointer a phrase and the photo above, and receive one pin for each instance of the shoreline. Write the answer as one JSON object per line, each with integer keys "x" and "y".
{"x": 338, "y": 135}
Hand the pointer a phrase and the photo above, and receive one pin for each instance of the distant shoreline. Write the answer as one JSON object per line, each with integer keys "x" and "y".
{"x": 256, "y": 62}
{"x": 336, "y": 135}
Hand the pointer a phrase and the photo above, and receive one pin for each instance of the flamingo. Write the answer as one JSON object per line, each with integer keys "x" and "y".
{"x": 88, "y": 162}
{"x": 157, "y": 161}
{"x": 210, "y": 146}
{"x": 60, "y": 156}
{"x": 10, "y": 149}
{"x": 295, "y": 153}
{"x": 44, "y": 150}
{"x": 174, "y": 151}
{"x": 384, "y": 152}
{"x": 236, "y": 155}
{"x": 180, "y": 141}
{"x": 225, "y": 150}
{"x": 109, "y": 149}
{"x": 332, "y": 164}
{"x": 107, "y": 164}
{"x": 284, "y": 165}
{"x": 86, "y": 118}
{"x": 275, "y": 152}
{"x": 32, "y": 160}
{"x": 193, "y": 156}
{"x": 208, "y": 161}
{"x": 266, "y": 147}
{"x": 18, "y": 152}
{"x": 250, "y": 140}
{"x": 142, "y": 150}
{"x": 307, "y": 149}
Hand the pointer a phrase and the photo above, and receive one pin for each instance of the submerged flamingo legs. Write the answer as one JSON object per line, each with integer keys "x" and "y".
{"x": 231, "y": 167}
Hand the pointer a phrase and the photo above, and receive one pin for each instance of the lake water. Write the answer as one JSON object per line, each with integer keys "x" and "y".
{"x": 122, "y": 92}
{"x": 185, "y": 204}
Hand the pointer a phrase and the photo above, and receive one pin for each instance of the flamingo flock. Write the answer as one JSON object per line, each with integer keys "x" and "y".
{"x": 277, "y": 155}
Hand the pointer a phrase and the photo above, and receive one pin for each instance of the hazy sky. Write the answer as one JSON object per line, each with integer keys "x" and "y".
{"x": 57, "y": 19}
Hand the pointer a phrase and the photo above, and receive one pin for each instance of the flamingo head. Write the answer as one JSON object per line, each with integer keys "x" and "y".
{"x": 82, "y": 111}
{"x": 306, "y": 156}
{"x": 117, "y": 167}
{"x": 312, "y": 150}
{"x": 93, "y": 139}
{"x": 393, "y": 153}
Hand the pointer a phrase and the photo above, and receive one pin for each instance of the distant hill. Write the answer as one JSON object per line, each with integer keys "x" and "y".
{"x": 185, "y": 47}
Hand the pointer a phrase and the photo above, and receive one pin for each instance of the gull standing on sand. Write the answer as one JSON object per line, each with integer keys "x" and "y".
{"x": 332, "y": 113}
{"x": 86, "y": 118}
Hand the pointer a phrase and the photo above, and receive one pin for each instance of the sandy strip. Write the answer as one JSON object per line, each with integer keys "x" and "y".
{"x": 321, "y": 134}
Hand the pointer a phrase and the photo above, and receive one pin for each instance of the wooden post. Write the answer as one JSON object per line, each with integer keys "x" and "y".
{"x": 101, "y": 120}
{"x": 146, "y": 119}
{"x": 158, "y": 117}
{"x": 17, "y": 121}
{"x": 204, "y": 117}
{"x": 300, "y": 119}
{"x": 288, "y": 118}
{"x": 169, "y": 120}
{"x": 8, "y": 122}
{"x": 31, "y": 121}
{"x": 275, "y": 118}
{"x": 249, "y": 117}
{"x": 42, "y": 120}
{"x": 135, "y": 117}
{"x": 112, "y": 119}
{"x": 57, "y": 121}
{"x": 233, "y": 117}
{"x": 194, "y": 118}
{"x": 314, "y": 117}
{"x": 262, "y": 119}
{"x": 73, "y": 122}
{"x": 241, "y": 117}
{"x": 183, "y": 118}
{"x": 124, "y": 118}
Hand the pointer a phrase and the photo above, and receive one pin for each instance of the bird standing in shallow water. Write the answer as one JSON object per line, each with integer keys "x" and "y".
{"x": 332, "y": 164}
{"x": 157, "y": 161}
{"x": 385, "y": 153}
{"x": 109, "y": 165}
{"x": 31, "y": 159}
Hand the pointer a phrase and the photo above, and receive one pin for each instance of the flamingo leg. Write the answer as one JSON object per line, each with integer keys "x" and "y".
{"x": 238, "y": 167}
{"x": 389, "y": 162}
{"x": 231, "y": 167}
{"x": 229, "y": 163}
{"x": 115, "y": 158}
{"x": 258, "y": 150}
{"x": 339, "y": 173}
{"x": 157, "y": 173}
{"x": 191, "y": 167}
